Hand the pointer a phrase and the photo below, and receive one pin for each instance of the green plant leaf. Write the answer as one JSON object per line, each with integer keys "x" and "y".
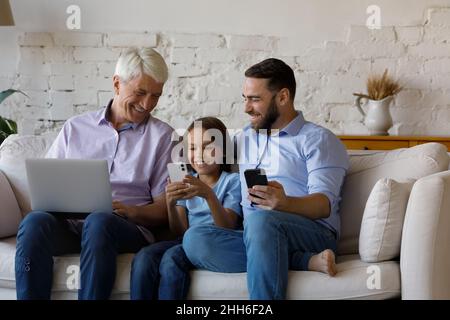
{"x": 7, "y": 126}
{"x": 3, "y": 136}
{"x": 5, "y": 94}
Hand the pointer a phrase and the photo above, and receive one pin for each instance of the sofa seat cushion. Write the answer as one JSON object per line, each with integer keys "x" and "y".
{"x": 7, "y": 253}
{"x": 349, "y": 283}
{"x": 63, "y": 274}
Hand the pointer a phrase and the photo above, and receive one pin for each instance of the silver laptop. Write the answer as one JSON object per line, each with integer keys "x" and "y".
{"x": 69, "y": 188}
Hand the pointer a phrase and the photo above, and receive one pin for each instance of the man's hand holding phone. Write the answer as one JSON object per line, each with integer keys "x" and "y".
{"x": 266, "y": 195}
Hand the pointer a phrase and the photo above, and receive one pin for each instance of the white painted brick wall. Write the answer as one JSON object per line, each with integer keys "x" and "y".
{"x": 72, "y": 68}
{"x": 407, "y": 97}
{"x": 86, "y": 97}
{"x": 95, "y": 54}
{"x": 362, "y": 34}
{"x": 99, "y": 83}
{"x": 252, "y": 43}
{"x": 6, "y": 82}
{"x": 64, "y": 82}
{"x": 436, "y": 34}
{"x": 69, "y": 73}
{"x": 78, "y": 39}
{"x": 185, "y": 71}
{"x": 106, "y": 69}
{"x": 410, "y": 65}
{"x": 219, "y": 55}
{"x": 183, "y": 55}
{"x": 198, "y": 40}
{"x": 131, "y": 40}
{"x": 435, "y": 98}
{"x": 38, "y": 99}
{"x": 104, "y": 97}
{"x": 409, "y": 35}
{"x": 58, "y": 54}
{"x": 437, "y": 65}
{"x": 211, "y": 109}
{"x": 439, "y": 16}
{"x": 430, "y": 50}
{"x": 26, "y": 83}
{"x": 35, "y": 39}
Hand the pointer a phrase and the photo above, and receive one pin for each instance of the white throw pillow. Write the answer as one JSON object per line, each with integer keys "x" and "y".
{"x": 13, "y": 152}
{"x": 366, "y": 169}
{"x": 10, "y": 215}
{"x": 382, "y": 223}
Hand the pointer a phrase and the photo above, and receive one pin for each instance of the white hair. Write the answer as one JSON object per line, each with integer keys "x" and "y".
{"x": 136, "y": 61}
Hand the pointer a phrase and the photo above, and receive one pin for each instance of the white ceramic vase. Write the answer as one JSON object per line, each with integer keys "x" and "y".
{"x": 377, "y": 118}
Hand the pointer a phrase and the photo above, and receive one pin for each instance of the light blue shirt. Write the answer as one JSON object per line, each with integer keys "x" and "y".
{"x": 227, "y": 190}
{"x": 304, "y": 157}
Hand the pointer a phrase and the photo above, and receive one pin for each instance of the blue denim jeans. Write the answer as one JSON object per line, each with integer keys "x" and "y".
{"x": 100, "y": 239}
{"x": 160, "y": 270}
{"x": 272, "y": 243}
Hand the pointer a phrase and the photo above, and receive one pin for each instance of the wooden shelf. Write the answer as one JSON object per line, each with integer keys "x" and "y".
{"x": 389, "y": 142}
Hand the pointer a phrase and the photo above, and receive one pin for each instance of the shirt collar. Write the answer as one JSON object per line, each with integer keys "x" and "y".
{"x": 102, "y": 119}
{"x": 293, "y": 127}
{"x": 101, "y": 116}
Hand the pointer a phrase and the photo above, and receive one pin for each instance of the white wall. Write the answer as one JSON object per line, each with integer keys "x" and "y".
{"x": 67, "y": 73}
{"x": 309, "y": 21}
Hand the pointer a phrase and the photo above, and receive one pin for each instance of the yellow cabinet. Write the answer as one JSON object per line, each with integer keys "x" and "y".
{"x": 389, "y": 142}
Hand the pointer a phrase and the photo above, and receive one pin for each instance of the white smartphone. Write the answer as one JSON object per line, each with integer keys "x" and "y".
{"x": 177, "y": 171}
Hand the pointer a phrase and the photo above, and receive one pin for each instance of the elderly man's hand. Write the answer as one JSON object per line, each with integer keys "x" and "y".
{"x": 123, "y": 210}
{"x": 271, "y": 196}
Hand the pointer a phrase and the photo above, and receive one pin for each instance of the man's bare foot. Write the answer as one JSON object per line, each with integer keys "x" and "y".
{"x": 323, "y": 262}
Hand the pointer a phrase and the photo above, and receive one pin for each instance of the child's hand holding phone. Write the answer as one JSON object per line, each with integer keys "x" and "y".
{"x": 197, "y": 188}
{"x": 176, "y": 189}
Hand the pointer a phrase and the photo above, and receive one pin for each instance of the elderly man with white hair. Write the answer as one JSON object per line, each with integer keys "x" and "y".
{"x": 137, "y": 147}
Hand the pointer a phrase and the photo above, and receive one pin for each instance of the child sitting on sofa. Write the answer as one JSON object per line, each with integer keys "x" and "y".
{"x": 211, "y": 196}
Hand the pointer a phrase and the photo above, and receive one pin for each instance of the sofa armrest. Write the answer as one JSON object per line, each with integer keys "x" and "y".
{"x": 425, "y": 249}
{"x": 10, "y": 215}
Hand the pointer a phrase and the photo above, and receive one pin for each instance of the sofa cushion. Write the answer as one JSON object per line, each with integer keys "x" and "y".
{"x": 426, "y": 231}
{"x": 10, "y": 215}
{"x": 381, "y": 228}
{"x": 366, "y": 169}
{"x": 351, "y": 281}
{"x": 64, "y": 269}
{"x": 13, "y": 152}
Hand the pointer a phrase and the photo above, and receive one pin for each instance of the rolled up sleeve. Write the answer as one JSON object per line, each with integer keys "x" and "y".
{"x": 327, "y": 164}
{"x": 327, "y": 181}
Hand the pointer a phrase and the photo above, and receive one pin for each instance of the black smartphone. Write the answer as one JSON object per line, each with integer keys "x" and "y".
{"x": 255, "y": 177}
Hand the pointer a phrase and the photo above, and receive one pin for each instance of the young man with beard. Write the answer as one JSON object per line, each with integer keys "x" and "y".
{"x": 293, "y": 222}
{"x": 137, "y": 147}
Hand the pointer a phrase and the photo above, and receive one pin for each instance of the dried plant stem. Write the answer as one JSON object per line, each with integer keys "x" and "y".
{"x": 380, "y": 87}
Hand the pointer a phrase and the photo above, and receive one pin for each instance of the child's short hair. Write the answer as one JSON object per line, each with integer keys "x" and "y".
{"x": 214, "y": 123}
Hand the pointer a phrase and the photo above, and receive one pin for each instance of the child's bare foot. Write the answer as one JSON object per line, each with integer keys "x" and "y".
{"x": 323, "y": 262}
